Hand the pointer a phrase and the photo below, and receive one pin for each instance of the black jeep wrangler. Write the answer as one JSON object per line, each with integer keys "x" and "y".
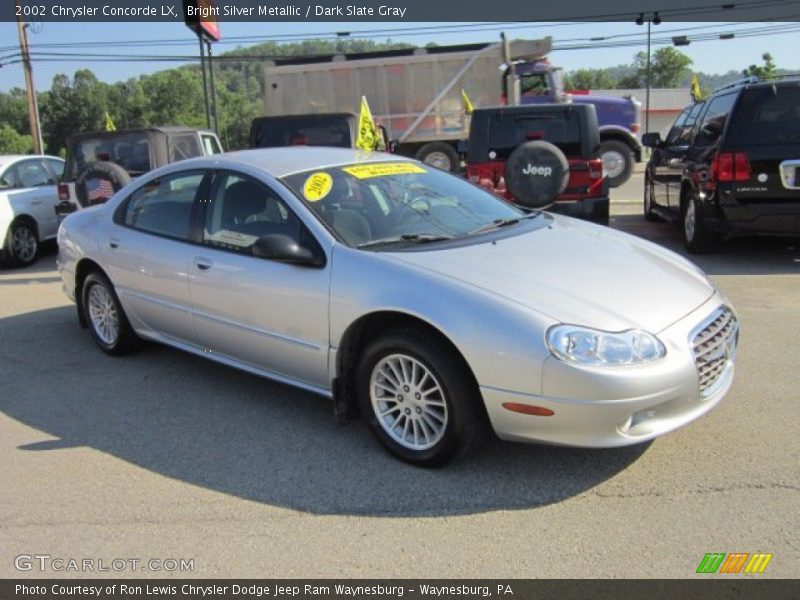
{"x": 541, "y": 156}
{"x": 730, "y": 165}
{"x": 99, "y": 163}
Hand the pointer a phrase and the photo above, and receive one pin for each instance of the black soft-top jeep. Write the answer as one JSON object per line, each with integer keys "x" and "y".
{"x": 541, "y": 156}
{"x": 99, "y": 163}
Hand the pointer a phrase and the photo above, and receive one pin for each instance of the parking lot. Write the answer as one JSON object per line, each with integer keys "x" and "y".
{"x": 163, "y": 455}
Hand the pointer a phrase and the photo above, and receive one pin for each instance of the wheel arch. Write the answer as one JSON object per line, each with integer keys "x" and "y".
{"x": 355, "y": 339}
{"x": 28, "y": 219}
{"x": 84, "y": 267}
{"x": 619, "y": 134}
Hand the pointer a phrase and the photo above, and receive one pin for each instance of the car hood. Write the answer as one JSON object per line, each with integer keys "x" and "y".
{"x": 577, "y": 272}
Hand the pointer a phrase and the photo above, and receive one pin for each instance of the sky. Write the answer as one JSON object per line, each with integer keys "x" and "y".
{"x": 711, "y": 56}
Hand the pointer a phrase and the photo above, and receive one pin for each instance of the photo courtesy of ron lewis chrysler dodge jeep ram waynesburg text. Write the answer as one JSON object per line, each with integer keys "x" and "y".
{"x": 430, "y": 305}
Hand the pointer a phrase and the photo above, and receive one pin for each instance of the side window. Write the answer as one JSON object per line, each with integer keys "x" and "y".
{"x": 32, "y": 173}
{"x": 183, "y": 146}
{"x": 163, "y": 206}
{"x": 210, "y": 144}
{"x": 243, "y": 210}
{"x": 688, "y": 126}
{"x": 677, "y": 127}
{"x": 533, "y": 84}
{"x": 56, "y": 167}
{"x": 713, "y": 122}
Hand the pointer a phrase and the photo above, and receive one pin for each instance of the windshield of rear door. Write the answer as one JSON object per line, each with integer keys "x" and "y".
{"x": 766, "y": 115}
{"x": 369, "y": 202}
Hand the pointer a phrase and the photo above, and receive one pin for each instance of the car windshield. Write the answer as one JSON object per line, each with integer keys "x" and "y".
{"x": 382, "y": 204}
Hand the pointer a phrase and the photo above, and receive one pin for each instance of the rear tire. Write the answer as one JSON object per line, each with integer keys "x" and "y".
{"x": 440, "y": 155}
{"x": 109, "y": 326}
{"x": 697, "y": 238}
{"x": 617, "y": 161}
{"x": 418, "y": 397}
{"x": 22, "y": 243}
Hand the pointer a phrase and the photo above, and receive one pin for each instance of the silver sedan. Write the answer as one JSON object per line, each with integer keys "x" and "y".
{"x": 428, "y": 305}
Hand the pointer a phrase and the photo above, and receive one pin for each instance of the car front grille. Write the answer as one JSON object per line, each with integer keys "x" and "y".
{"x": 714, "y": 346}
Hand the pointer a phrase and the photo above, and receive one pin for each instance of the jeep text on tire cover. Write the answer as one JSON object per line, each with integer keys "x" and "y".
{"x": 534, "y": 170}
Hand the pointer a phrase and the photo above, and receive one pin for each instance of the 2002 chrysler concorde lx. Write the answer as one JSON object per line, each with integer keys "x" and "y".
{"x": 431, "y": 305}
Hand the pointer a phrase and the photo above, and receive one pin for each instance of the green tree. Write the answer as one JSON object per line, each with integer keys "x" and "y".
{"x": 669, "y": 68}
{"x": 766, "y": 71}
{"x": 12, "y": 142}
{"x": 72, "y": 106}
{"x": 589, "y": 79}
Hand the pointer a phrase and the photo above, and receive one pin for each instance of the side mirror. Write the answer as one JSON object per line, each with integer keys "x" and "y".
{"x": 283, "y": 248}
{"x": 652, "y": 140}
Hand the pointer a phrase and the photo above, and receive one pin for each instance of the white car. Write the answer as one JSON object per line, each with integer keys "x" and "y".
{"x": 28, "y": 197}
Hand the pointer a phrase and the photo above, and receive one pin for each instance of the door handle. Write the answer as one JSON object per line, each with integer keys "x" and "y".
{"x": 36, "y": 202}
{"x": 113, "y": 242}
{"x": 202, "y": 264}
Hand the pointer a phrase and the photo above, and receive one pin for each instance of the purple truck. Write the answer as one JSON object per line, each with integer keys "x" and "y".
{"x": 618, "y": 118}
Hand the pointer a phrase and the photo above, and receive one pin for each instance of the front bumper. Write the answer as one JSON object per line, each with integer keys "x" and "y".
{"x": 590, "y": 209}
{"x": 606, "y": 407}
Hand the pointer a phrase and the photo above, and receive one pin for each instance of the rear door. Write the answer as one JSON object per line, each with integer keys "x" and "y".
{"x": 148, "y": 254}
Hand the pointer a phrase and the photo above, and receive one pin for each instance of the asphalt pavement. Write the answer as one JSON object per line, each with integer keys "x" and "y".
{"x": 161, "y": 455}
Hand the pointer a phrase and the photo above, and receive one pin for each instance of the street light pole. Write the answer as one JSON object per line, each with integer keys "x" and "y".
{"x": 647, "y": 94}
{"x": 654, "y": 20}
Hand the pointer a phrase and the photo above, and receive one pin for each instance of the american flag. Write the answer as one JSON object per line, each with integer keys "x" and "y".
{"x": 98, "y": 190}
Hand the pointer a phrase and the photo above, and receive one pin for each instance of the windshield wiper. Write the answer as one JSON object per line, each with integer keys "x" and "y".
{"x": 407, "y": 238}
{"x": 498, "y": 223}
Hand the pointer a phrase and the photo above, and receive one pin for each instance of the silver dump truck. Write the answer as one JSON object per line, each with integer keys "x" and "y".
{"x": 416, "y": 94}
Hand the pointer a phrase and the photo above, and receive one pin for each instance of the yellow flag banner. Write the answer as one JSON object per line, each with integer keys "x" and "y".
{"x": 109, "y": 123}
{"x": 468, "y": 107}
{"x": 369, "y": 137}
{"x": 696, "y": 93}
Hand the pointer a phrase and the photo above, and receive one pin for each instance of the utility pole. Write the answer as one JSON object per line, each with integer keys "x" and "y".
{"x": 33, "y": 105}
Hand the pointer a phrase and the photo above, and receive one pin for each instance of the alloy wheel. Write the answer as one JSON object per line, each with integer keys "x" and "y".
{"x": 408, "y": 402}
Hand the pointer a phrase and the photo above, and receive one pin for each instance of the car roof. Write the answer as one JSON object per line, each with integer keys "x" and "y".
{"x": 7, "y": 159}
{"x": 283, "y": 161}
{"x": 166, "y": 129}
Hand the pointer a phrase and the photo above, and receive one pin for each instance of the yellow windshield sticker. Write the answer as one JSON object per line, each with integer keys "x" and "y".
{"x": 383, "y": 169}
{"x": 317, "y": 186}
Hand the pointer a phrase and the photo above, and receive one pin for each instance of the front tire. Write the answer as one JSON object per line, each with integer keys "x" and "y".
{"x": 440, "y": 155}
{"x": 103, "y": 313}
{"x": 22, "y": 244}
{"x": 418, "y": 397}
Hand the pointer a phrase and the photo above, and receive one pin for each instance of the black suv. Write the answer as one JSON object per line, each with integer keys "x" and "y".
{"x": 730, "y": 165}
{"x": 540, "y": 156}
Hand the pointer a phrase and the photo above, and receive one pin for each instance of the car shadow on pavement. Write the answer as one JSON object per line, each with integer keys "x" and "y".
{"x": 193, "y": 420}
{"x": 737, "y": 256}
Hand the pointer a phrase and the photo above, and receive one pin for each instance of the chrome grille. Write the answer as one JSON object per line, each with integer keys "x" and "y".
{"x": 714, "y": 346}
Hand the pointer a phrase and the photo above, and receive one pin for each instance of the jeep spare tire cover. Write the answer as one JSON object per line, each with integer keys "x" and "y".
{"x": 536, "y": 172}
{"x": 98, "y": 181}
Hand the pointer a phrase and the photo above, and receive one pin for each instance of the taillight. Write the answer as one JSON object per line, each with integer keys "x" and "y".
{"x": 635, "y": 128}
{"x": 63, "y": 191}
{"x": 731, "y": 166}
{"x": 595, "y": 169}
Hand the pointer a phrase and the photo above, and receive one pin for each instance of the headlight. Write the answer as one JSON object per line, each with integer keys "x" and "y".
{"x": 593, "y": 347}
